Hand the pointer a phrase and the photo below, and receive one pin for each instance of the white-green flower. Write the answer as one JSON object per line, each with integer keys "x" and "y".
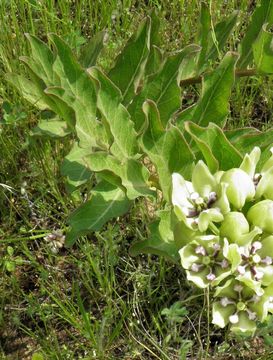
{"x": 200, "y": 202}
{"x": 240, "y": 307}
{"x": 208, "y": 260}
{"x": 256, "y": 267}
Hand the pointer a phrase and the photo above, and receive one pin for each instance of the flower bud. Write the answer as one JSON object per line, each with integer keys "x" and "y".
{"x": 240, "y": 187}
{"x": 261, "y": 215}
{"x": 250, "y": 161}
{"x": 234, "y": 225}
{"x": 264, "y": 186}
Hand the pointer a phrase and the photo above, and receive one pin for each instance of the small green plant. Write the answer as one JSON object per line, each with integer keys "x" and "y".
{"x": 129, "y": 134}
{"x": 10, "y": 261}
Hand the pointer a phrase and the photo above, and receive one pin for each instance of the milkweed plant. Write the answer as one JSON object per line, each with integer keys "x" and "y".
{"x": 230, "y": 215}
{"x": 130, "y": 138}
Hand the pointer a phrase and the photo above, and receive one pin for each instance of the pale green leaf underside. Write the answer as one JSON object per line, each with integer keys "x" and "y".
{"x": 218, "y": 152}
{"x": 167, "y": 148}
{"x": 107, "y": 202}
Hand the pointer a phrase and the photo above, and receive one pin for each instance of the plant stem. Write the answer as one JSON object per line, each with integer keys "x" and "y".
{"x": 198, "y": 79}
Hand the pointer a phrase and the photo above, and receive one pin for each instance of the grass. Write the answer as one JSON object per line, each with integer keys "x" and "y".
{"x": 94, "y": 301}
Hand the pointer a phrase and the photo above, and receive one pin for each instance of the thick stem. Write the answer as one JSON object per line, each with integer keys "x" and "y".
{"x": 198, "y": 79}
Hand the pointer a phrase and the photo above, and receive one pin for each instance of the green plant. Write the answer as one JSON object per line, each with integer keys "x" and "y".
{"x": 129, "y": 131}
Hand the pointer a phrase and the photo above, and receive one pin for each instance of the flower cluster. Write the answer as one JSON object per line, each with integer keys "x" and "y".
{"x": 229, "y": 216}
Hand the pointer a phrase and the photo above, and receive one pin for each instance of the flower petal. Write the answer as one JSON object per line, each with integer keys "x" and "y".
{"x": 248, "y": 280}
{"x": 188, "y": 256}
{"x": 267, "y": 247}
{"x": 232, "y": 253}
{"x": 180, "y": 194}
{"x": 244, "y": 325}
{"x": 227, "y": 290}
{"x": 199, "y": 279}
{"x": 221, "y": 314}
{"x": 268, "y": 274}
{"x": 208, "y": 216}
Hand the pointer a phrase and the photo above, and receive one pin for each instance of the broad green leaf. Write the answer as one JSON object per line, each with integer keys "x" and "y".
{"x": 263, "y": 52}
{"x": 61, "y": 108}
{"x": 43, "y": 58}
{"x": 83, "y": 88}
{"x": 38, "y": 83}
{"x": 155, "y": 57}
{"x": 203, "y": 35}
{"x": 116, "y": 115}
{"x": 213, "y": 104}
{"x": 189, "y": 65}
{"x": 234, "y": 134}
{"x": 160, "y": 241}
{"x": 263, "y": 14}
{"x": 107, "y": 202}
{"x": 155, "y": 28}
{"x": 29, "y": 90}
{"x": 74, "y": 167}
{"x": 218, "y": 152}
{"x": 90, "y": 51}
{"x": 167, "y": 148}
{"x": 222, "y": 31}
{"x": 247, "y": 141}
{"x": 134, "y": 176}
{"x": 163, "y": 88}
{"x": 52, "y": 128}
{"x": 155, "y": 61}
{"x": 130, "y": 64}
